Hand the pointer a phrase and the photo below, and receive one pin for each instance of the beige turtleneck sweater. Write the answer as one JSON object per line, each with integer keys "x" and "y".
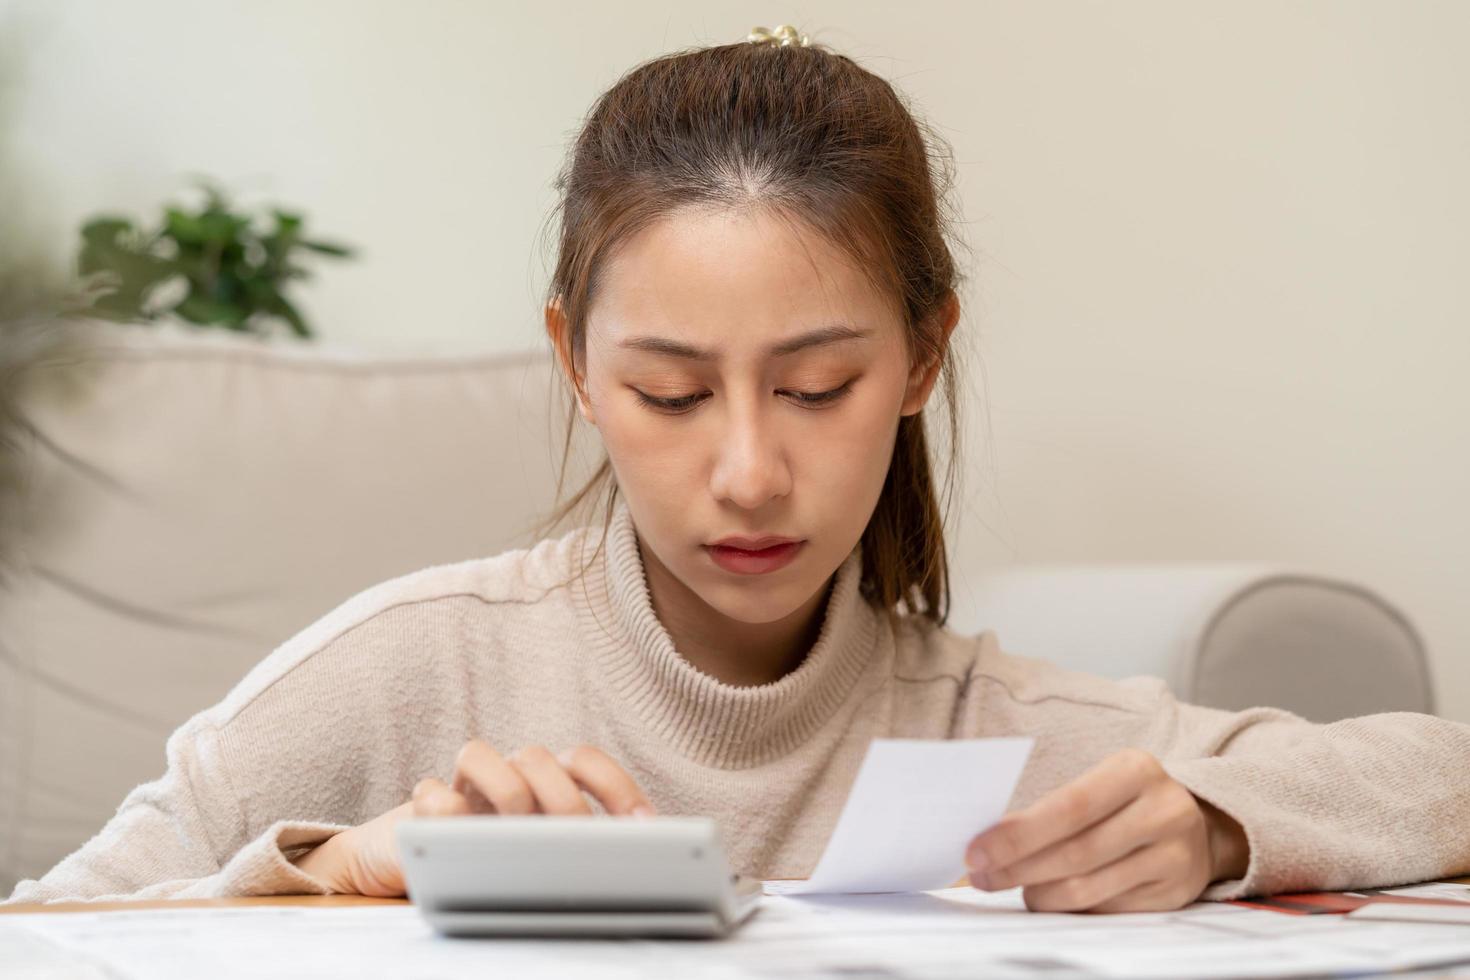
{"x": 337, "y": 724}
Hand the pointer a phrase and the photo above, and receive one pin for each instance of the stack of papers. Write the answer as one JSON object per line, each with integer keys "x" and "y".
{"x": 940, "y": 934}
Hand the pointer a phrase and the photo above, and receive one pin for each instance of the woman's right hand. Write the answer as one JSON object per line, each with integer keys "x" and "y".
{"x": 364, "y": 860}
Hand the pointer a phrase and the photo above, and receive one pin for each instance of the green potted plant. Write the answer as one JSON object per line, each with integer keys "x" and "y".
{"x": 212, "y": 265}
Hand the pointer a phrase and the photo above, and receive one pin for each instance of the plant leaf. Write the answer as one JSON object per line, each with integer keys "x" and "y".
{"x": 203, "y": 310}
{"x": 328, "y": 248}
{"x": 292, "y": 316}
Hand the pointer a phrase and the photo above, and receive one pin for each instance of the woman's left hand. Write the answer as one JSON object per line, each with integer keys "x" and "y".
{"x": 1123, "y": 837}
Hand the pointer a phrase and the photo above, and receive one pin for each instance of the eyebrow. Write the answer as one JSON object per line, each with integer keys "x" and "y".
{"x": 814, "y": 338}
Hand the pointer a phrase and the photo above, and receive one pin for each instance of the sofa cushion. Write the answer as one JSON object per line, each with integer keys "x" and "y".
{"x": 1223, "y": 634}
{"x": 193, "y": 499}
{"x": 1325, "y": 648}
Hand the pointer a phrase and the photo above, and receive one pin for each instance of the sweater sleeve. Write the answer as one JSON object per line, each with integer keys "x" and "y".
{"x": 183, "y": 836}
{"x": 1360, "y": 803}
{"x": 1372, "y": 801}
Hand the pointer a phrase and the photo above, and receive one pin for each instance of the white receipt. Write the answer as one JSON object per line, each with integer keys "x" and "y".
{"x": 913, "y": 808}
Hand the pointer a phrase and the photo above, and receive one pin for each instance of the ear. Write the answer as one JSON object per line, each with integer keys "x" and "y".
{"x": 561, "y": 342}
{"x": 923, "y": 375}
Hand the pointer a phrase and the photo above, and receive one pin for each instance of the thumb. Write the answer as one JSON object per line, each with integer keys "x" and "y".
{"x": 375, "y": 867}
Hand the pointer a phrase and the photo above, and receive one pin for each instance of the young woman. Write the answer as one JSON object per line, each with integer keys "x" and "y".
{"x": 753, "y": 304}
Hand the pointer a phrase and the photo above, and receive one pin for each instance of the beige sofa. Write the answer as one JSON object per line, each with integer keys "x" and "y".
{"x": 193, "y": 499}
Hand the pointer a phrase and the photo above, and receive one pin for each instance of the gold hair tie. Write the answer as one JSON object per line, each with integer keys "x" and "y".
{"x": 780, "y": 37}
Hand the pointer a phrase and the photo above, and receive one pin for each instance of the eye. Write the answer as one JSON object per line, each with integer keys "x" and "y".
{"x": 684, "y": 404}
{"x": 672, "y": 406}
{"x": 821, "y": 397}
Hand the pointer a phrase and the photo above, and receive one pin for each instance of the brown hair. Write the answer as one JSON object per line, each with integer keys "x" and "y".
{"x": 807, "y": 135}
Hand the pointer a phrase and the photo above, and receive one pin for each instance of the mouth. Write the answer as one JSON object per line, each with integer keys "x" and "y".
{"x": 770, "y": 554}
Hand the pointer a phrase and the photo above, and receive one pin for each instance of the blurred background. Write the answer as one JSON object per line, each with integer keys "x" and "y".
{"x": 1219, "y": 254}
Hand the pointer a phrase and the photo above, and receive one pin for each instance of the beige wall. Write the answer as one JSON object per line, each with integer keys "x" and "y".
{"x": 1220, "y": 250}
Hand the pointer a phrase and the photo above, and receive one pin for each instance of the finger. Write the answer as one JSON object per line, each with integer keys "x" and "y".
{"x": 556, "y": 792}
{"x": 1153, "y": 896}
{"x": 480, "y": 769}
{"x": 609, "y": 783}
{"x": 1139, "y": 823}
{"x": 1147, "y": 865}
{"x": 1064, "y": 812}
{"x": 432, "y": 798}
{"x": 476, "y": 800}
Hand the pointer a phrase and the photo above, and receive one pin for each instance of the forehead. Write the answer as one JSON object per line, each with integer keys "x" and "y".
{"x": 732, "y": 281}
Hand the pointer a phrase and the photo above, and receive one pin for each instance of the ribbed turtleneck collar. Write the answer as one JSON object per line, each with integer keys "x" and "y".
{"x": 708, "y": 721}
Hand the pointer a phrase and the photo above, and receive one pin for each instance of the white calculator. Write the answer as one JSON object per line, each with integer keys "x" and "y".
{"x": 589, "y": 876}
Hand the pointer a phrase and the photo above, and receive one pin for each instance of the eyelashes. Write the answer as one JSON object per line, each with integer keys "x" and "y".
{"x": 680, "y": 406}
{"x": 673, "y": 406}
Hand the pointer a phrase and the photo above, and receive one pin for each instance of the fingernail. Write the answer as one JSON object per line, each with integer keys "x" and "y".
{"x": 980, "y": 880}
{"x": 643, "y": 810}
{"x": 565, "y": 758}
{"x": 975, "y": 860}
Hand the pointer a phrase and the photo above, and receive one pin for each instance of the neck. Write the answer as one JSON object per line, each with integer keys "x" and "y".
{"x": 733, "y": 652}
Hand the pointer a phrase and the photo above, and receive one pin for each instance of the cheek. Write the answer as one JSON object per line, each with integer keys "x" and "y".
{"x": 861, "y": 442}
{"x": 864, "y": 424}
{"x": 644, "y": 449}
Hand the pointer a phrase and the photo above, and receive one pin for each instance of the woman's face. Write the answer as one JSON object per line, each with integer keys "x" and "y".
{"x": 747, "y": 380}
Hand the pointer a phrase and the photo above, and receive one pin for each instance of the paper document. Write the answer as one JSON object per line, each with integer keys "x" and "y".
{"x": 1455, "y": 915}
{"x": 941, "y": 935}
{"x": 914, "y": 806}
{"x": 1453, "y": 891}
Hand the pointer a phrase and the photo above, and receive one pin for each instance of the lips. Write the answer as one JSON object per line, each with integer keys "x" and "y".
{"x": 753, "y": 544}
{"x": 741, "y": 560}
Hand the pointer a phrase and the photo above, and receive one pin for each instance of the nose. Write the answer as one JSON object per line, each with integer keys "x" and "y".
{"x": 750, "y": 460}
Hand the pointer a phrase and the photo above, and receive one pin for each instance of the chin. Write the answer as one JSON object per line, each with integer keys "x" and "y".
{"x": 756, "y": 602}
